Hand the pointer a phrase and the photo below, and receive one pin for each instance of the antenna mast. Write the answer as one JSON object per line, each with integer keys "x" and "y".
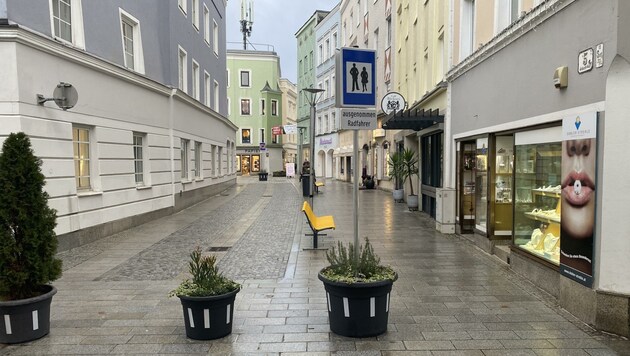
{"x": 247, "y": 19}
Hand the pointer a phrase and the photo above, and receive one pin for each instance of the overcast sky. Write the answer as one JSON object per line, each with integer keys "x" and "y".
{"x": 275, "y": 23}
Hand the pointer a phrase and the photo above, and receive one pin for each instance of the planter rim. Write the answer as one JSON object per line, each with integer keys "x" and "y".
{"x": 211, "y": 297}
{"x": 18, "y": 302}
{"x": 358, "y": 284}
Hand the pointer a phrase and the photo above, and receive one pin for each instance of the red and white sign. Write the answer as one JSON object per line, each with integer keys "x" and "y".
{"x": 276, "y": 130}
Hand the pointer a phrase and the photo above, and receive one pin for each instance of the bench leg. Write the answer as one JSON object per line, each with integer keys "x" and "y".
{"x": 315, "y": 239}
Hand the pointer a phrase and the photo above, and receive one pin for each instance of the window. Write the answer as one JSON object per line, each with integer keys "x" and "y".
{"x": 262, "y": 107}
{"x": 206, "y": 24}
{"x": 183, "y": 6}
{"x": 227, "y": 76}
{"x": 198, "y": 152}
{"x": 66, "y": 18}
{"x": 138, "y": 158}
{"x": 334, "y": 43}
{"x": 333, "y": 118}
{"x": 182, "y": 70}
{"x": 467, "y": 29}
{"x": 229, "y": 111}
{"x": 326, "y": 128}
{"x": 206, "y": 88}
{"x": 81, "y": 145}
{"x": 213, "y": 155}
{"x": 195, "y": 14}
{"x": 274, "y": 138}
{"x": 332, "y": 86}
{"x": 245, "y": 79}
{"x": 262, "y": 135}
{"x": 246, "y": 136}
{"x": 327, "y": 49}
{"x": 326, "y": 88}
{"x": 245, "y": 107}
{"x": 321, "y": 54}
{"x": 184, "y": 158}
{"x": 389, "y": 32}
{"x": 215, "y": 37}
{"x": 195, "y": 80}
{"x": 216, "y": 96}
{"x": 319, "y": 125}
{"x": 274, "y": 107}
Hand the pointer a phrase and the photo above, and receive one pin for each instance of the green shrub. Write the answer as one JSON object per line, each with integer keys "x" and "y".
{"x": 28, "y": 242}
{"x": 345, "y": 267}
{"x": 206, "y": 279}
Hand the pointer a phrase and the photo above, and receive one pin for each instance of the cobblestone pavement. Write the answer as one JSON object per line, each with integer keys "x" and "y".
{"x": 450, "y": 298}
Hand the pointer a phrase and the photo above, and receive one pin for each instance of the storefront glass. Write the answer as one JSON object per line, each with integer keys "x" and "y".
{"x": 481, "y": 185}
{"x": 537, "y": 199}
{"x": 255, "y": 163}
{"x": 466, "y": 184}
{"x": 503, "y": 168}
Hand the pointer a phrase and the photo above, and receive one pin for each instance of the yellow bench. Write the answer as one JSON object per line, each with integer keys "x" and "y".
{"x": 317, "y": 185}
{"x": 317, "y": 223}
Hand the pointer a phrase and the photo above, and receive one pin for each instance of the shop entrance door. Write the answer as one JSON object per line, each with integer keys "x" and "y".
{"x": 245, "y": 165}
{"x": 466, "y": 186}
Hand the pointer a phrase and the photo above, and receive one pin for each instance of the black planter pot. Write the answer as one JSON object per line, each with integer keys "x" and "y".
{"x": 208, "y": 318}
{"x": 359, "y": 309}
{"x": 26, "y": 319}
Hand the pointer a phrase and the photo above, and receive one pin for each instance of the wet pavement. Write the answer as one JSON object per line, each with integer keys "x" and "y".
{"x": 450, "y": 298}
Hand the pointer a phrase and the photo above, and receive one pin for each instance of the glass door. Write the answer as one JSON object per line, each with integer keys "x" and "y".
{"x": 245, "y": 164}
{"x": 466, "y": 168}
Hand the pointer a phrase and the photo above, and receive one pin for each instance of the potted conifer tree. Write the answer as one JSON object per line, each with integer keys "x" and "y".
{"x": 207, "y": 299}
{"x": 28, "y": 244}
{"x": 357, "y": 290}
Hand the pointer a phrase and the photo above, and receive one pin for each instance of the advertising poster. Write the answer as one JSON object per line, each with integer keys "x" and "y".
{"x": 579, "y": 163}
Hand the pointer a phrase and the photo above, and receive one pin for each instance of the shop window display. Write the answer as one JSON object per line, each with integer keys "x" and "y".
{"x": 503, "y": 171}
{"x": 537, "y": 199}
{"x": 481, "y": 185}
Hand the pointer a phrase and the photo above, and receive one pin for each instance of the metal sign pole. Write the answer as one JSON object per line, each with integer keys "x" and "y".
{"x": 355, "y": 191}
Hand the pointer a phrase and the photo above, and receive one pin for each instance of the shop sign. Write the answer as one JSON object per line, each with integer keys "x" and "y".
{"x": 262, "y": 146}
{"x": 393, "y": 101}
{"x": 577, "y": 227}
{"x": 276, "y": 130}
{"x": 585, "y": 61}
{"x": 290, "y": 129}
{"x": 251, "y": 150}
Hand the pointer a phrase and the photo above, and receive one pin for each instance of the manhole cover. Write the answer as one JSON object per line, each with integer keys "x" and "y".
{"x": 218, "y": 249}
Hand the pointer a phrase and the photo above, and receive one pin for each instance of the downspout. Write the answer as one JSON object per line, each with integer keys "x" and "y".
{"x": 171, "y": 119}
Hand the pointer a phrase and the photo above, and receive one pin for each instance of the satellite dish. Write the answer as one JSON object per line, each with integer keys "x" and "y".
{"x": 64, "y": 95}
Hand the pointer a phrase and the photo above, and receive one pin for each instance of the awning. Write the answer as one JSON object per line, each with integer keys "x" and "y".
{"x": 416, "y": 120}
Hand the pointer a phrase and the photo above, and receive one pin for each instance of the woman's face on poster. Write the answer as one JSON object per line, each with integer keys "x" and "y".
{"x": 578, "y": 188}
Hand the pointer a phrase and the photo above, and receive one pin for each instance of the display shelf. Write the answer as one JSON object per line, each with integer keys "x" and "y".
{"x": 547, "y": 193}
{"x": 543, "y": 218}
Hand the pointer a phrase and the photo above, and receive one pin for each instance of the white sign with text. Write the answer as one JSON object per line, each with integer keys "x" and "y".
{"x": 358, "y": 119}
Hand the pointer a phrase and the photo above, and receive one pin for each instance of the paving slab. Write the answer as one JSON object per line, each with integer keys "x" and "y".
{"x": 450, "y": 298}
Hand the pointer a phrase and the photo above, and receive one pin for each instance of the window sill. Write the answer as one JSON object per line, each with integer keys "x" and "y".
{"x": 187, "y": 181}
{"x": 143, "y": 187}
{"x": 89, "y": 193}
{"x": 199, "y": 179}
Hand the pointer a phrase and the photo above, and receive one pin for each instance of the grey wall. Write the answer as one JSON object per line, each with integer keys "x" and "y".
{"x": 517, "y": 82}
{"x": 3, "y": 9}
{"x": 163, "y": 27}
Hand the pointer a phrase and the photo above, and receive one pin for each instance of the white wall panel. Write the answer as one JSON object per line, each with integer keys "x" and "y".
{"x": 39, "y": 127}
{"x": 111, "y": 135}
{"x": 112, "y": 150}
{"x": 8, "y": 74}
{"x": 52, "y": 148}
{"x": 161, "y": 165}
{"x": 53, "y": 168}
{"x": 156, "y": 140}
{"x": 64, "y": 205}
{"x": 117, "y": 166}
{"x": 161, "y": 178}
{"x": 60, "y": 187}
{"x": 117, "y": 182}
{"x": 160, "y": 153}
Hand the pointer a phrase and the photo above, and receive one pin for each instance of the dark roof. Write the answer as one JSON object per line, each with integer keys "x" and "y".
{"x": 416, "y": 120}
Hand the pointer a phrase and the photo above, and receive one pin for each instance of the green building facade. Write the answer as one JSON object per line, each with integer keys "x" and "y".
{"x": 255, "y": 106}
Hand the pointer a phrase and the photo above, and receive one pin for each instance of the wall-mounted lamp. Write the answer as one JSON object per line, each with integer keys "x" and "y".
{"x": 64, "y": 95}
{"x": 561, "y": 77}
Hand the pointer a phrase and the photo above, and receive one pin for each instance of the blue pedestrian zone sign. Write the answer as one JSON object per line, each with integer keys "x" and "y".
{"x": 357, "y": 70}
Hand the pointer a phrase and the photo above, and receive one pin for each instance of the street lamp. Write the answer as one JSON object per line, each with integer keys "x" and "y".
{"x": 312, "y": 96}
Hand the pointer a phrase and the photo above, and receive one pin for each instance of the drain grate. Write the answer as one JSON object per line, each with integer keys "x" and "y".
{"x": 218, "y": 249}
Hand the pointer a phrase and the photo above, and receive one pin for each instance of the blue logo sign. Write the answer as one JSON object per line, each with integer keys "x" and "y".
{"x": 578, "y": 122}
{"x": 358, "y": 78}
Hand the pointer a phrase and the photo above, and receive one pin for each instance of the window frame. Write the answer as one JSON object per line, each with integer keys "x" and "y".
{"x": 261, "y": 134}
{"x": 195, "y": 14}
{"x": 184, "y": 147}
{"x": 183, "y": 6}
{"x": 195, "y": 80}
{"x": 215, "y": 37}
{"x": 142, "y": 160}
{"x": 206, "y": 24}
{"x": 138, "y": 53}
{"x": 76, "y": 23}
{"x": 182, "y": 69}
{"x": 249, "y": 107}
{"x": 248, "y": 129}
{"x": 77, "y": 143}
{"x": 216, "y": 96}
{"x": 249, "y": 78}
{"x": 198, "y": 156}
{"x": 206, "y": 88}
{"x": 274, "y": 107}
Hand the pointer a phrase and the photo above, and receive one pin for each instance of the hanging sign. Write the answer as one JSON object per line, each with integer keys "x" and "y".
{"x": 393, "y": 101}
{"x": 276, "y": 130}
{"x": 290, "y": 129}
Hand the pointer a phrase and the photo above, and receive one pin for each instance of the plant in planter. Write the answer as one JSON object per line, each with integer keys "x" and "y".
{"x": 207, "y": 299}
{"x": 357, "y": 290}
{"x": 28, "y": 244}
{"x": 395, "y": 163}
{"x": 409, "y": 170}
